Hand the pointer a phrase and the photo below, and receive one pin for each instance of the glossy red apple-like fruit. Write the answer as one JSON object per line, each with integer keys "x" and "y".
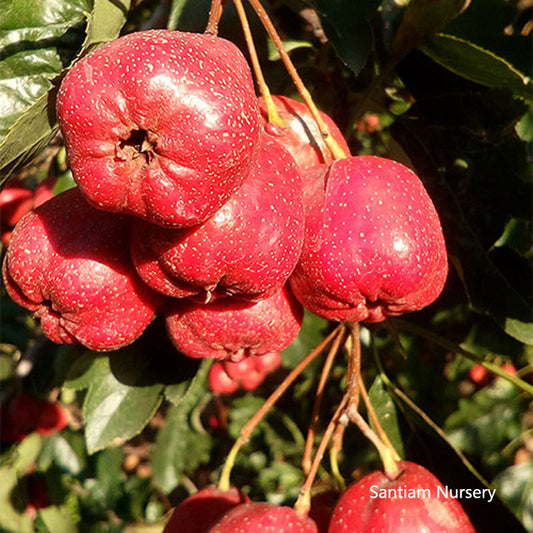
{"x": 260, "y": 517}
{"x": 301, "y": 135}
{"x": 374, "y": 245}
{"x": 161, "y": 124}
{"x": 52, "y": 418}
{"x": 234, "y": 329}
{"x": 249, "y": 247}
{"x": 414, "y": 501}
{"x": 199, "y": 512}
{"x": 69, "y": 264}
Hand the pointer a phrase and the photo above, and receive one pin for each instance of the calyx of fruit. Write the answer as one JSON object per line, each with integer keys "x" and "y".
{"x": 414, "y": 501}
{"x": 69, "y": 264}
{"x": 374, "y": 245}
{"x": 260, "y": 517}
{"x": 199, "y": 512}
{"x": 248, "y": 248}
{"x": 233, "y": 329}
{"x": 161, "y": 124}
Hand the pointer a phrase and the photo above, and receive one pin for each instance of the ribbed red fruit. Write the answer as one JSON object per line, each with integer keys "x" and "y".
{"x": 374, "y": 245}
{"x": 161, "y": 124}
{"x": 413, "y": 502}
{"x": 248, "y": 248}
{"x": 234, "y": 329}
{"x": 259, "y": 517}
{"x": 69, "y": 264}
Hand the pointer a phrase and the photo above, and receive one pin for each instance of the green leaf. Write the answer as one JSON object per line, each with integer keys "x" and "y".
{"x": 12, "y": 519}
{"x": 86, "y": 370}
{"x": 187, "y": 394}
{"x": 105, "y": 22}
{"x": 347, "y": 25}
{"x": 515, "y": 488}
{"x": 37, "y": 41}
{"x": 58, "y": 519}
{"x": 385, "y": 409}
{"x": 179, "y": 449}
{"x": 66, "y": 450}
{"x": 477, "y": 64}
{"x": 118, "y": 404}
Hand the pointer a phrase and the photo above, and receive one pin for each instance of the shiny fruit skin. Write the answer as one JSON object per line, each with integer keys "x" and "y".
{"x": 160, "y": 124}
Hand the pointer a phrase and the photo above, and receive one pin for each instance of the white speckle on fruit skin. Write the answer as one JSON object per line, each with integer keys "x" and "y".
{"x": 69, "y": 264}
{"x": 191, "y": 94}
{"x": 374, "y": 245}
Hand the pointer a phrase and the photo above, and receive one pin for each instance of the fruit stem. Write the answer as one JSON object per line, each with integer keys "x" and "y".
{"x": 326, "y": 370}
{"x": 248, "y": 428}
{"x": 334, "y": 147}
{"x": 354, "y": 366}
{"x": 375, "y": 420}
{"x": 273, "y": 114}
{"x": 215, "y": 13}
{"x": 303, "y": 503}
{"x": 246, "y": 431}
{"x": 334, "y": 451}
{"x": 224, "y": 482}
{"x": 390, "y": 465}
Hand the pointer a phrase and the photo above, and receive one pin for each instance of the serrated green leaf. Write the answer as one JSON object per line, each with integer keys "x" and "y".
{"x": 477, "y": 64}
{"x": 37, "y": 41}
{"x": 242, "y": 409}
{"x": 187, "y": 394}
{"x": 118, "y": 410}
{"x": 58, "y": 519}
{"x": 385, "y": 409}
{"x": 105, "y": 22}
{"x": 179, "y": 449}
{"x": 86, "y": 370}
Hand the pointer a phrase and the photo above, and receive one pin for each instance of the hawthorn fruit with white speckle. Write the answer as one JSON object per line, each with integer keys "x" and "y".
{"x": 259, "y": 517}
{"x": 374, "y": 245}
{"x": 69, "y": 264}
{"x": 301, "y": 135}
{"x": 232, "y": 329}
{"x": 160, "y": 124}
{"x": 197, "y": 513}
{"x": 248, "y": 248}
{"x": 410, "y": 503}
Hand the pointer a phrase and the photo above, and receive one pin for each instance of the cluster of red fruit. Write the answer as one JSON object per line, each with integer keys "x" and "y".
{"x": 415, "y": 500}
{"x": 226, "y": 377}
{"x": 192, "y": 204}
{"x": 23, "y": 414}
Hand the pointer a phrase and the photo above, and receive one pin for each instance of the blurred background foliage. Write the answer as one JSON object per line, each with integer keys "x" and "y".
{"x": 442, "y": 86}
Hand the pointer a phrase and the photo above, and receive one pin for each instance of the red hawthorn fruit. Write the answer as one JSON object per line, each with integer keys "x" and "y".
{"x": 70, "y": 265}
{"x": 245, "y": 373}
{"x": 161, "y": 124}
{"x": 268, "y": 362}
{"x": 200, "y": 511}
{"x": 38, "y": 497}
{"x": 301, "y": 135}
{"x": 361, "y": 509}
{"x": 51, "y": 418}
{"x": 15, "y": 201}
{"x": 374, "y": 245}
{"x": 248, "y": 248}
{"x": 260, "y": 517}
{"x": 322, "y": 507}
{"x": 479, "y": 375}
{"x": 18, "y": 417}
{"x": 220, "y": 381}
{"x": 232, "y": 329}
